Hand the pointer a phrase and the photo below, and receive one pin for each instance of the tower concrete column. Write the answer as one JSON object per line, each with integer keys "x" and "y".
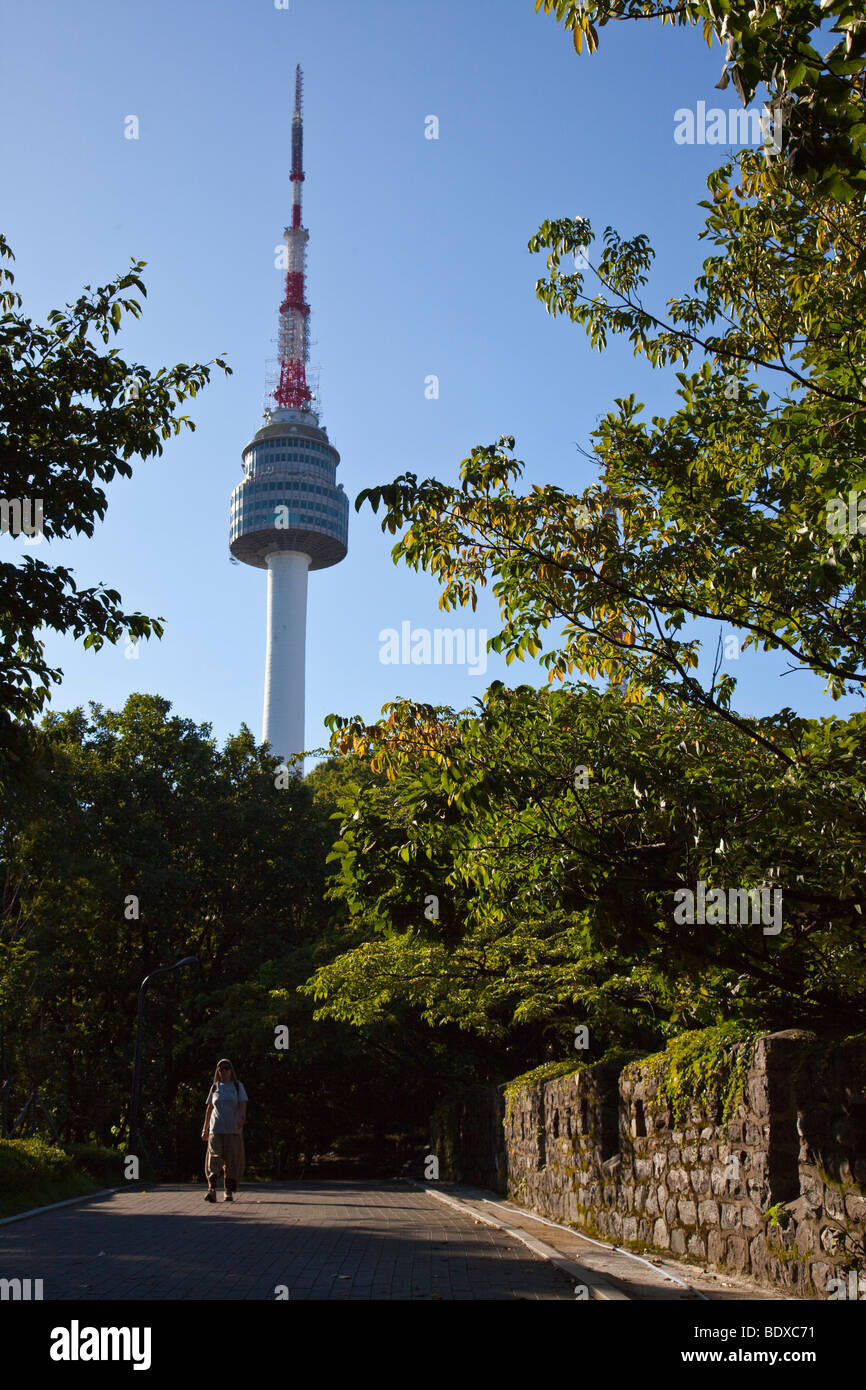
{"x": 286, "y": 652}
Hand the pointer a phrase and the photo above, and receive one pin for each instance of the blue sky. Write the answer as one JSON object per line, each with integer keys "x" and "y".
{"x": 417, "y": 266}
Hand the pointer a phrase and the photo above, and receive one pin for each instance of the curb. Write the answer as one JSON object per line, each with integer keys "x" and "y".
{"x": 598, "y": 1288}
{"x": 55, "y": 1206}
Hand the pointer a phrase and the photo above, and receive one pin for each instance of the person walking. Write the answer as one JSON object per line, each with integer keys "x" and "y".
{"x": 223, "y": 1130}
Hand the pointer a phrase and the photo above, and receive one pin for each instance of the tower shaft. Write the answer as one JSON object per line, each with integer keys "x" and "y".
{"x": 285, "y": 659}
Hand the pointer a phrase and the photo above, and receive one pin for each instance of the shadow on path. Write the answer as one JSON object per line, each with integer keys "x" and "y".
{"x": 311, "y": 1239}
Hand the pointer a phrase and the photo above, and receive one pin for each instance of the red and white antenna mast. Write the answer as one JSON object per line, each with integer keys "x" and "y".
{"x": 293, "y": 393}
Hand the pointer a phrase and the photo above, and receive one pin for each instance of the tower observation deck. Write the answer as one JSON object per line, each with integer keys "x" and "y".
{"x": 289, "y": 515}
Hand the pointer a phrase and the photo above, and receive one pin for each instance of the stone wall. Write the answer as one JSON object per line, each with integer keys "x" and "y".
{"x": 600, "y": 1149}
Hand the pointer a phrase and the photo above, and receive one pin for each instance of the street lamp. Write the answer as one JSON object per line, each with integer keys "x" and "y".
{"x": 135, "y": 1140}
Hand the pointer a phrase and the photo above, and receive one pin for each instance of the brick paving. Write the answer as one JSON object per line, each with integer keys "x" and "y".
{"x": 342, "y": 1240}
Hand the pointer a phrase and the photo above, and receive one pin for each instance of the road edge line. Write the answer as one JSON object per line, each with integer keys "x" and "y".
{"x": 598, "y": 1288}
{"x": 55, "y": 1206}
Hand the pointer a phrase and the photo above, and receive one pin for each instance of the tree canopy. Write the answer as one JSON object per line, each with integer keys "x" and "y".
{"x": 558, "y": 897}
{"x": 73, "y": 418}
{"x": 816, "y": 86}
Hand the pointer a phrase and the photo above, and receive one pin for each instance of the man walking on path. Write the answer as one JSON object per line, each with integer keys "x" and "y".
{"x": 223, "y": 1130}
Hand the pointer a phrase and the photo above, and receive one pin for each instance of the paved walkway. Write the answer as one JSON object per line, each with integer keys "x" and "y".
{"x": 607, "y": 1271}
{"x": 321, "y": 1240}
{"x": 332, "y": 1240}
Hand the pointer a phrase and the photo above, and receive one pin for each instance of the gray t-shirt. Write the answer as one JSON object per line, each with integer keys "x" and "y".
{"x": 225, "y": 1100}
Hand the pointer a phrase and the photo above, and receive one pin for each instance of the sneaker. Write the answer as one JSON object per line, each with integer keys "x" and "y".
{"x": 210, "y": 1195}
{"x": 229, "y": 1197}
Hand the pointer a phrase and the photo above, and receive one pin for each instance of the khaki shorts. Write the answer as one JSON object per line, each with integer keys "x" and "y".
{"x": 225, "y": 1151}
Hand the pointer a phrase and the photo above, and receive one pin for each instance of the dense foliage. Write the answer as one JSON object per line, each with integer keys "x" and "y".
{"x": 559, "y": 888}
{"x": 133, "y": 841}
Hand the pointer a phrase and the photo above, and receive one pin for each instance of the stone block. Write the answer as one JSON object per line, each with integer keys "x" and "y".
{"x": 707, "y": 1153}
{"x": 735, "y": 1132}
{"x": 807, "y": 1237}
{"x": 820, "y": 1274}
{"x": 688, "y": 1212}
{"x": 690, "y": 1154}
{"x": 661, "y": 1235}
{"x": 673, "y": 1155}
{"x": 749, "y": 1218}
{"x": 758, "y": 1257}
{"x": 678, "y": 1241}
{"x": 700, "y": 1179}
{"x": 855, "y": 1206}
{"x": 832, "y": 1240}
{"x": 758, "y": 1093}
{"x": 697, "y": 1246}
{"x": 730, "y": 1216}
{"x": 671, "y": 1210}
{"x": 629, "y": 1228}
{"x": 678, "y": 1180}
{"x": 834, "y": 1204}
{"x": 652, "y": 1203}
{"x": 737, "y": 1254}
{"x": 643, "y": 1168}
{"x": 659, "y": 1163}
{"x": 708, "y": 1213}
{"x": 716, "y": 1246}
{"x": 718, "y": 1180}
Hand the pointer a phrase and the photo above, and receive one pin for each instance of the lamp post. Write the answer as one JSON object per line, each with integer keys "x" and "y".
{"x": 134, "y": 1136}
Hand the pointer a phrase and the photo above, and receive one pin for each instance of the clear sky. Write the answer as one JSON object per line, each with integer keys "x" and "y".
{"x": 417, "y": 266}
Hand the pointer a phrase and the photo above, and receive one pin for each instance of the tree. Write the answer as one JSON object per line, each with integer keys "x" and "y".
{"x": 721, "y": 511}
{"x": 560, "y": 903}
{"x": 553, "y": 829}
{"x": 73, "y": 419}
{"x": 134, "y": 841}
{"x": 816, "y": 88}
